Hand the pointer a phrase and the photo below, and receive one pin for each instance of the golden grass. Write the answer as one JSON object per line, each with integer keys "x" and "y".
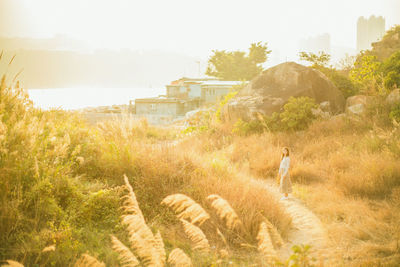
{"x": 225, "y": 211}
{"x": 88, "y": 261}
{"x": 196, "y": 236}
{"x": 178, "y": 258}
{"x": 186, "y": 208}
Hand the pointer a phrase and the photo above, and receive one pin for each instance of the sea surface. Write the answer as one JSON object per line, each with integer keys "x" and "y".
{"x": 77, "y": 98}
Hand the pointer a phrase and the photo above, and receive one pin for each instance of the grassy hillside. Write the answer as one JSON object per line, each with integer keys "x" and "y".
{"x": 61, "y": 185}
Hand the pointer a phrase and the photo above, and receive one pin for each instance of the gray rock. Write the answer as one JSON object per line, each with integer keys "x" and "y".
{"x": 269, "y": 91}
{"x": 356, "y": 105}
{"x": 325, "y": 106}
{"x": 319, "y": 113}
{"x": 356, "y": 109}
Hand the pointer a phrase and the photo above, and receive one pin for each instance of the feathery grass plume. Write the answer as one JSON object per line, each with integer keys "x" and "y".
{"x": 88, "y": 261}
{"x": 178, "y": 258}
{"x": 265, "y": 246}
{"x": 159, "y": 246}
{"x": 125, "y": 256}
{"x": 135, "y": 224}
{"x": 11, "y": 263}
{"x": 196, "y": 235}
{"x": 140, "y": 235}
{"x": 275, "y": 236}
{"x": 186, "y": 208}
{"x": 144, "y": 250}
{"x": 225, "y": 211}
{"x": 49, "y": 248}
{"x": 142, "y": 239}
{"x": 130, "y": 204}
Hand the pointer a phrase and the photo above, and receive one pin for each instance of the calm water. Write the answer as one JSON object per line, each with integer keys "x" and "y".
{"x": 76, "y": 98}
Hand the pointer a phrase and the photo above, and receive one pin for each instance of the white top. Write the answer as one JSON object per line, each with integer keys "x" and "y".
{"x": 284, "y": 166}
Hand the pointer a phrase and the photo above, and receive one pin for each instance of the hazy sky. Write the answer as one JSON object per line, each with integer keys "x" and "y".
{"x": 192, "y": 27}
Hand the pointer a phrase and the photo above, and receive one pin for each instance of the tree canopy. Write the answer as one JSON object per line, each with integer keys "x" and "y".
{"x": 238, "y": 65}
{"x": 320, "y": 59}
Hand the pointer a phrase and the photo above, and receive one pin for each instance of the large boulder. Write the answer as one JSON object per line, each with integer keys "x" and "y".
{"x": 269, "y": 91}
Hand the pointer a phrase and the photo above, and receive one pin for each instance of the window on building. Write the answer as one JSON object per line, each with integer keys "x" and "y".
{"x": 153, "y": 106}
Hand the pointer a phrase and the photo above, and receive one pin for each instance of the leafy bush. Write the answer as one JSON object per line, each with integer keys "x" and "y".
{"x": 395, "y": 113}
{"x": 341, "y": 81}
{"x": 245, "y": 128}
{"x": 297, "y": 113}
{"x": 391, "y": 71}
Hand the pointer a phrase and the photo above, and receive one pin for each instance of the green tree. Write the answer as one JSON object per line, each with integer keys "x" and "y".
{"x": 320, "y": 59}
{"x": 339, "y": 78}
{"x": 391, "y": 71}
{"x": 366, "y": 75}
{"x": 237, "y": 65}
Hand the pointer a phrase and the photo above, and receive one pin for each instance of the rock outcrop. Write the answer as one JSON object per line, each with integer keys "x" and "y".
{"x": 356, "y": 105}
{"x": 269, "y": 91}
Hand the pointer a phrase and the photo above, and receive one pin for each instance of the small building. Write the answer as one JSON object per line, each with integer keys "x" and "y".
{"x": 214, "y": 91}
{"x": 210, "y": 91}
{"x": 182, "y": 96}
{"x": 164, "y": 106}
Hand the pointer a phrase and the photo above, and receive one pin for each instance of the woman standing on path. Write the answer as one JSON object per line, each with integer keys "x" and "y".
{"x": 285, "y": 185}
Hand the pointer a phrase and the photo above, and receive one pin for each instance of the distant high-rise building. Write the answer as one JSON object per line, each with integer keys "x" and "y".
{"x": 316, "y": 44}
{"x": 369, "y": 31}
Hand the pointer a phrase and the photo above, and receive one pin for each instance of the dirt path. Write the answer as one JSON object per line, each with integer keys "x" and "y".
{"x": 307, "y": 228}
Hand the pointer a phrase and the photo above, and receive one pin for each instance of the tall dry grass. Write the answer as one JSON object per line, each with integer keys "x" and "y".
{"x": 347, "y": 171}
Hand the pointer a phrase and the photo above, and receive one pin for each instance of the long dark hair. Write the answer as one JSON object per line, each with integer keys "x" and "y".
{"x": 283, "y": 154}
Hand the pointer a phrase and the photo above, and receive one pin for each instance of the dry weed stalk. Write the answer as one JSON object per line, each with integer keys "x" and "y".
{"x": 186, "y": 208}
{"x": 222, "y": 237}
{"x": 11, "y": 263}
{"x": 178, "y": 258}
{"x": 125, "y": 256}
{"x": 196, "y": 235}
{"x": 225, "y": 211}
{"x": 88, "y": 261}
{"x": 265, "y": 246}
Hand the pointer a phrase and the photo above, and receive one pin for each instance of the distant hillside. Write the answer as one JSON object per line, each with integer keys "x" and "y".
{"x": 44, "y": 68}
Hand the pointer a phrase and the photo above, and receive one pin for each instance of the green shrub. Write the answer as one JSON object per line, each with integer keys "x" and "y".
{"x": 341, "y": 81}
{"x": 245, "y": 128}
{"x": 297, "y": 113}
{"x": 395, "y": 113}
